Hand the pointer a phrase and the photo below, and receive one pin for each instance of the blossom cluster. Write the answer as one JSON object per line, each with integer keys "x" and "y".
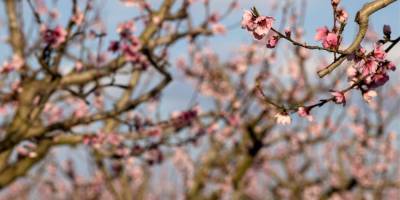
{"x": 15, "y": 64}
{"x": 372, "y": 67}
{"x": 370, "y": 70}
{"x": 129, "y": 45}
{"x": 181, "y": 119}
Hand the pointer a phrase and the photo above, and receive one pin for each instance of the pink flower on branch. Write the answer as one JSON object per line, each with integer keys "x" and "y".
{"x": 78, "y": 17}
{"x": 263, "y": 25}
{"x": 273, "y": 41}
{"x": 258, "y": 25}
{"x": 129, "y": 45}
{"x": 305, "y": 112}
{"x": 341, "y": 15}
{"x": 335, "y": 2}
{"x": 331, "y": 40}
{"x": 390, "y": 66}
{"x": 218, "y": 29}
{"x": 339, "y": 98}
{"x": 379, "y": 54}
{"x": 288, "y": 32}
{"x": 53, "y": 37}
{"x": 16, "y": 64}
{"x": 328, "y": 39}
{"x": 369, "y": 67}
{"x": 26, "y": 150}
{"x": 377, "y": 79}
{"x": 126, "y": 29}
{"x": 248, "y": 20}
{"x": 321, "y": 33}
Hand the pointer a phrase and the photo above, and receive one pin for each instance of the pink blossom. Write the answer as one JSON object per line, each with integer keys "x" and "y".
{"x": 54, "y": 37}
{"x": 248, "y": 20}
{"x": 53, "y": 112}
{"x": 273, "y": 41}
{"x": 78, "y": 17}
{"x": 283, "y": 118}
{"x": 16, "y": 63}
{"x": 214, "y": 18}
{"x": 234, "y": 120}
{"x": 369, "y": 95}
{"x": 129, "y": 47}
{"x": 339, "y": 97}
{"x": 27, "y": 149}
{"x": 114, "y": 46}
{"x": 182, "y": 118}
{"x": 212, "y": 128}
{"x": 181, "y": 63}
{"x": 369, "y": 67}
{"x": 3, "y": 110}
{"x": 331, "y": 41}
{"x": 154, "y": 132}
{"x": 81, "y": 109}
{"x": 259, "y": 26}
{"x": 351, "y": 72}
{"x": 126, "y": 29}
{"x": 239, "y": 65}
{"x": 263, "y": 25}
{"x": 288, "y": 32}
{"x": 335, "y": 2}
{"x": 41, "y": 7}
{"x": 379, "y": 54}
{"x": 342, "y": 15}
{"x": 130, "y": 2}
{"x": 391, "y": 66}
{"x": 321, "y": 33}
{"x": 54, "y": 14}
{"x": 131, "y": 53}
{"x": 78, "y": 66}
{"x": 378, "y": 79}
{"x": 113, "y": 138}
{"x": 305, "y": 112}
{"x": 156, "y": 20}
{"x": 328, "y": 39}
{"x": 218, "y": 28}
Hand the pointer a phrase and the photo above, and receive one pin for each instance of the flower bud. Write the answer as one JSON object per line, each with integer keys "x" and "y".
{"x": 387, "y": 31}
{"x": 335, "y": 2}
{"x": 288, "y": 32}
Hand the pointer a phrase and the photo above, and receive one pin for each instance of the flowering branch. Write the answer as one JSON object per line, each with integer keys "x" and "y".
{"x": 362, "y": 19}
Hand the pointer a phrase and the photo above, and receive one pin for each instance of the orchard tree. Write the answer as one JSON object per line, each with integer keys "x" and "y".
{"x": 83, "y": 106}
